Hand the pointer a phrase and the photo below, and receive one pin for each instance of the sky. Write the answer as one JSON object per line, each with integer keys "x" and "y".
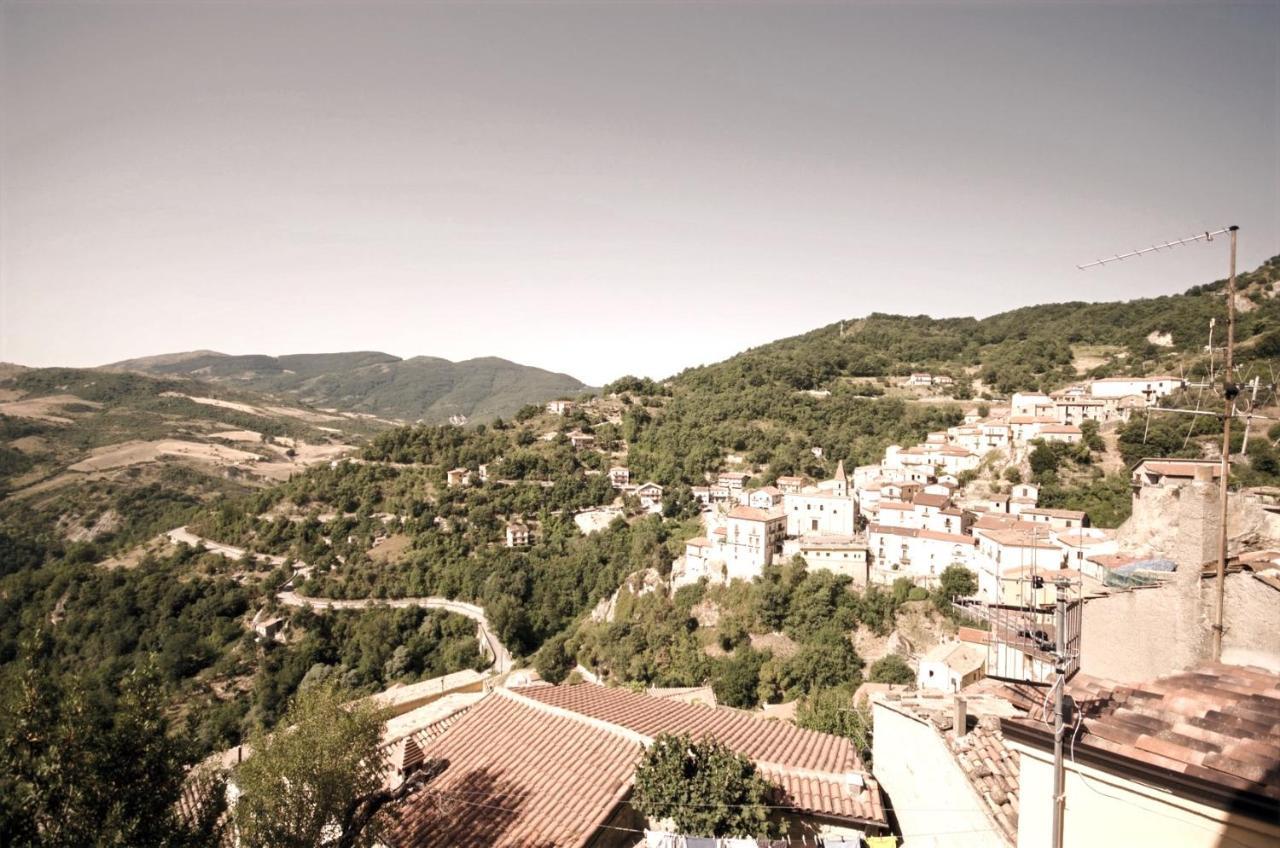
{"x": 608, "y": 188}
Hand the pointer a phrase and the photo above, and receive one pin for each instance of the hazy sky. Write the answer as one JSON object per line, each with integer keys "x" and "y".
{"x": 611, "y": 187}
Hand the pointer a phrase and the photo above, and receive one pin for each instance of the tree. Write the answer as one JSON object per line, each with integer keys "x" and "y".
{"x": 554, "y": 660}
{"x": 738, "y": 678}
{"x": 828, "y": 660}
{"x": 957, "y": 582}
{"x": 833, "y": 711}
{"x": 76, "y": 771}
{"x": 704, "y": 788}
{"x": 316, "y": 781}
{"x": 891, "y": 668}
{"x": 1091, "y": 437}
{"x": 1044, "y": 461}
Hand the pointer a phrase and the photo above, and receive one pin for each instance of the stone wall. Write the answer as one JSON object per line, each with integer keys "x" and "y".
{"x": 1144, "y": 633}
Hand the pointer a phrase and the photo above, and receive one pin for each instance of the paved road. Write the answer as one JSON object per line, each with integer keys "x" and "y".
{"x": 182, "y": 534}
{"x": 489, "y": 641}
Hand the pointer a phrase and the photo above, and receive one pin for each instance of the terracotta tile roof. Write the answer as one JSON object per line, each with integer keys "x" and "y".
{"x": 547, "y": 765}
{"x": 899, "y": 505}
{"x": 698, "y": 542}
{"x": 1061, "y": 429}
{"x": 992, "y": 771}
{"x": 939, "y": 536}
{"x": 751, "y": 513}
{"x": 1020, "y": 538}
{"x": 1055, "y": 513}
{"x": 517, "y": 775}
{"x": 817, "y": 772}
{"x": 1083, "y": 538}
{"x": 1112, "y": 560}
{"x": 1179, "y": 467}
{"x": 1002, "y": 521}
{"x": 889, "y": 529}
{"x": 1216, "y": 722}
{"x": 938, "y": 501}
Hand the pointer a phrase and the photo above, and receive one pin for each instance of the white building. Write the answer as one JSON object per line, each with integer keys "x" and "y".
{"x": 559, "y": 407}
{"x": 765, "y": 498}
{"x": 1058, "y": 519}
{"x": 845, "y": 555}
{"x": 650, "y": 495}
{"x": 921, "y": 555}
{"x": 951, "y": 666}
{"x": 517, "y": 535}
{"x": 1068, "y": 434}
{"x": 790, "y": 485}
{"x": 1150, "y": 388}
{"x": 1031, "y": 405}
{"x": 751, "y": 538}
{"x": 828, "y": 509}
{"x": 1021, "y": 544}
{"x": 619, "y": 477}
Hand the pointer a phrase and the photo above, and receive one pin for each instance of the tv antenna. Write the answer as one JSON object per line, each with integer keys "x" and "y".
{"x": 1229, "y": 391}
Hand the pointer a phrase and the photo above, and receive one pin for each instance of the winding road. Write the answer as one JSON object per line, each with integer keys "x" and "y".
{"x": 489, "y": 642}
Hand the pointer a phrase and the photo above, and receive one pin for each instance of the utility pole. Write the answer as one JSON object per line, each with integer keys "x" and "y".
{"x": 1059, "y": 711}
{"x": 1229, "y": 392}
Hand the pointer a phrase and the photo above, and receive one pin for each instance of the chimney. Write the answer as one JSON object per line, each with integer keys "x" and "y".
{"x": 960, "y": 717}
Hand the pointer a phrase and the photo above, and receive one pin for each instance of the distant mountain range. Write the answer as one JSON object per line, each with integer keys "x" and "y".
{"x": 423, "y": 388}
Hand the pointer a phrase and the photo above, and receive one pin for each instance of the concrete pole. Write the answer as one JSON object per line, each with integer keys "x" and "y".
{"x": 1229, "y": 395}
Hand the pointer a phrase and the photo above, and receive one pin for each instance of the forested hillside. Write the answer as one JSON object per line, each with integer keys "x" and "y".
{"x": 423, "y": 388}
{"x": 1029, "y": 348}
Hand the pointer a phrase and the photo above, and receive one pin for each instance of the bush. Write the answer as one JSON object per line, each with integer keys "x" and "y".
{"x": 891, "y": 668}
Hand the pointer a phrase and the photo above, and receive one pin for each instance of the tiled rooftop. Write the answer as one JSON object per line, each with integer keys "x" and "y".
{"x": 812, "y": 768}
{"x": 547, "y": 765}
{"x": 517, "y": 776}
{"x": 1217, "y": 722}
{"x": 992, "y": 770}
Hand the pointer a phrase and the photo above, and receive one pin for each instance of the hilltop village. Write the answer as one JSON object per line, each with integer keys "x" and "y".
{"x": 1184, "y": 736}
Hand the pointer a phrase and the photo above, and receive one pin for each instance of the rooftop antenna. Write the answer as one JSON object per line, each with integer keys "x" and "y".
{"x": 1229, "y": 391}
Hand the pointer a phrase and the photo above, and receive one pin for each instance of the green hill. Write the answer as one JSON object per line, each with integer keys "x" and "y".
{"x": 421, "y": 388}
{"x": 1036, "y": 347}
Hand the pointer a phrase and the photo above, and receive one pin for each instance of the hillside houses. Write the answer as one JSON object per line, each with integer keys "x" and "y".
{"x": 518, "y": 535}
